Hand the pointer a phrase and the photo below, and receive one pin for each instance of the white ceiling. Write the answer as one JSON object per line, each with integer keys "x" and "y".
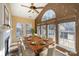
{"x": 18, "y": 10}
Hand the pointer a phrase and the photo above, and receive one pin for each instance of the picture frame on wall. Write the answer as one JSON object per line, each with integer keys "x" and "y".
{"x": 6, "y": 16}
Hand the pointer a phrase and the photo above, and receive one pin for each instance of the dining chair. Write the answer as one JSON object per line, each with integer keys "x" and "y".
{"x": 48, "y": 51}
{"x": 25, "y": 51}
{"x": 23, "y": 42}
{"x": 44, "y": 52}
{"x": 14, "y": 49}
{"x": 51, "y": 49}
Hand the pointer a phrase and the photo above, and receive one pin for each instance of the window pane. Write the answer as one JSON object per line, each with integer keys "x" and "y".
{"x": 23, "y": 29}
{"x": 19, "y": 31}
{"x": 67, "y": 33}
{"x": 28, "y": 29}
{"x": 51, "y": 31}
{"x": 38, "y": 30}
{"x": 48, "y": 15}
{"x": 43, "y": 31}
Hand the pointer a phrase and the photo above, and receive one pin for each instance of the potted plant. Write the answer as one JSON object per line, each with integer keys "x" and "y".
{"x": 43, "y": 36}
{"x": 33, "y": 32}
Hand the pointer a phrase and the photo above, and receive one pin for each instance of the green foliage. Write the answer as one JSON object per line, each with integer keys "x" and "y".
{"x": 33, "y": 32}
{"x": 43, "y": 36}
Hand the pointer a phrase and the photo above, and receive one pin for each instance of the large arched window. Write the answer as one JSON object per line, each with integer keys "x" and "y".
{"x": 49, "y": 14}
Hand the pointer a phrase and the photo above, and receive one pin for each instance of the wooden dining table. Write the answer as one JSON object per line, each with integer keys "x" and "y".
{"x": 36, "y": 44}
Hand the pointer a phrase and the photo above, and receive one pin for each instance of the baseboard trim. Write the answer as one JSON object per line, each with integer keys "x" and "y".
{"x": 63, "y": 52}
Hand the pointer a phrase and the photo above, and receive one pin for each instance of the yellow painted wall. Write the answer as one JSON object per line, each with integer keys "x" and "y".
{"x": 16, "y": 20}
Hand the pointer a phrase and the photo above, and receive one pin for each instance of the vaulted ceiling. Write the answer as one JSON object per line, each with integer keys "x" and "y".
{"x": 18, "y": 10}
{"x": 61, "y": 9}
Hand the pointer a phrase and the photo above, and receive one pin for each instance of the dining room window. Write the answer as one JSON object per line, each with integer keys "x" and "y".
{"x": 51, "y": 31}
{"x": 67, "y": 35}
{"x": 49, "y": 14}
{"x": 28, "y": 29}
{"x": 19, "y": 30}
{"x": 43, "y": 31}
{"x": 23, "y": 29}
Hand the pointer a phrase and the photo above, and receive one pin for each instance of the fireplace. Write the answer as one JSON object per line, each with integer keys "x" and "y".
{"x": 7, "y": 45}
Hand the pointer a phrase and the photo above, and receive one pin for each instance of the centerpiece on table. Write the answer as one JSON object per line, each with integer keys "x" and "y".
{"x": 33, "y": 43}
{"x": 42, "y": 43}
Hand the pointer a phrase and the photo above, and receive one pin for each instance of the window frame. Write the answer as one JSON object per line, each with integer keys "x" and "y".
{"x": 52, "y": 12}
{"x": 66, "y": 20}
